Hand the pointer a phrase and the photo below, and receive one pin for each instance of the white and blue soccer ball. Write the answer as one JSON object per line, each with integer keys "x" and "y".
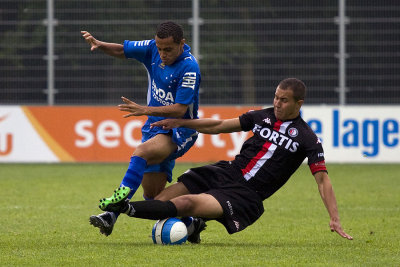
{"x": 171, "y": 231}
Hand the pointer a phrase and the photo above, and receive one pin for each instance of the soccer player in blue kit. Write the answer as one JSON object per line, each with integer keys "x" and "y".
{"x": 232, "y": 192}
{"x": 173, "y": 92}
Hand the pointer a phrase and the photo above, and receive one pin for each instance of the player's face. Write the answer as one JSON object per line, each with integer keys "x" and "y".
{"x": 285, "y": 106}
{"x": 169, "y": 50}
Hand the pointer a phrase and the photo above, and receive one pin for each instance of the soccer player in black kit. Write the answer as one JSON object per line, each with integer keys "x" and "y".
{"x": 232, "y": 192}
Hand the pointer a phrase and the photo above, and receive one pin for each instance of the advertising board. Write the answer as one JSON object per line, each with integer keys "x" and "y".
{"x": 350, "y": 134}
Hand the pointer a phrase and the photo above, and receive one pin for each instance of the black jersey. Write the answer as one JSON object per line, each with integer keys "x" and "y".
{"x": 276, "y": 150}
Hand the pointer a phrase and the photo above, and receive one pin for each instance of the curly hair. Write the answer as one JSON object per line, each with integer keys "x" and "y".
{"x": 169, "y": 28}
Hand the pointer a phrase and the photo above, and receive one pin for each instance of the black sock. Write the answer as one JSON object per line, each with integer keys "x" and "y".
{"x": 152, "y": 209}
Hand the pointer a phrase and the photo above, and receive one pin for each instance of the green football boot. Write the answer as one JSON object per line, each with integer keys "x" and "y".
{"x": 117, "y": 202}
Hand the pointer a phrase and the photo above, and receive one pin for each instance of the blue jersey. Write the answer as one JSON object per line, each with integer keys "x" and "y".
{"x": 168, "y": 84}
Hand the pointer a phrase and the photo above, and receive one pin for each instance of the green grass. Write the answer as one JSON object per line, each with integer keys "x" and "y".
{"x": 44, "y": 211}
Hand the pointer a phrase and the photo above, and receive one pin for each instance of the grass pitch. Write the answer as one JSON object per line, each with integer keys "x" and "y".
{"x": 44, "y": 211}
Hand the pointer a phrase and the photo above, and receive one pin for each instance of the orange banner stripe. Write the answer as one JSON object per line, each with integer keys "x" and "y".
{"x": 46, "y": 137}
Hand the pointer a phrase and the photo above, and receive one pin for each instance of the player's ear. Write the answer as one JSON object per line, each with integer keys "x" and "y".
{"x": 300, "y": 103}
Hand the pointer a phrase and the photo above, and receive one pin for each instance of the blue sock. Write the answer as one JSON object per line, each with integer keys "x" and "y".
{"x": 133, "y": 176}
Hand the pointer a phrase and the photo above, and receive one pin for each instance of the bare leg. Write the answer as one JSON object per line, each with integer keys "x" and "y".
{"x": 156, "y": 149}
{"x": 153, "y": 183}
{"x": 201, "y": 205}
{"x": 173, "y": 191}
{"x": 153, "y": 151}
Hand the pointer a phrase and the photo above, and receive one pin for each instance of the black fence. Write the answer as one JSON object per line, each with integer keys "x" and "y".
{"x": 245, "y": 49}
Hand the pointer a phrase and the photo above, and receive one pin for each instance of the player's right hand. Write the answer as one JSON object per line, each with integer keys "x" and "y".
{"x": 90, "y": 40}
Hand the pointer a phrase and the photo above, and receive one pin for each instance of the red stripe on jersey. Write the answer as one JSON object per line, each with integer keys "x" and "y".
{"x": 261, "y": 155}
{"x": 277, "y": 125}
{"x": 254, "y": 160}
{"x": 318, "y": 166}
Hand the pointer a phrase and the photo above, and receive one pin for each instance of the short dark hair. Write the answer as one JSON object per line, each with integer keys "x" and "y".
{"x": 296, "y": 85}
{"x": 169, "y": 28}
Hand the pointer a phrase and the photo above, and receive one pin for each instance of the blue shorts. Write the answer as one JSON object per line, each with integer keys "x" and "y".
{"x": 184, "y": 138}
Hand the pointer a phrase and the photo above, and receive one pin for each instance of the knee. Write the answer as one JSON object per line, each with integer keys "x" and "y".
{"x": 184, "y": 204}
{"x": 150, "y": 154}
{"x": 142, "y": 151}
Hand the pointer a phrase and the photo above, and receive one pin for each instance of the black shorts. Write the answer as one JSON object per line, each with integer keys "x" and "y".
{"x": 242, "y": 206}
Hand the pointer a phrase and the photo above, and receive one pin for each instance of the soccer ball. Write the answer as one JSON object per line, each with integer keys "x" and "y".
{"x": 171, "y": 231}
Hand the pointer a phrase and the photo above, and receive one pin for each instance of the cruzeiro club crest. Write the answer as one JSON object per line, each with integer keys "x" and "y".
{"x": 293, "y": 132}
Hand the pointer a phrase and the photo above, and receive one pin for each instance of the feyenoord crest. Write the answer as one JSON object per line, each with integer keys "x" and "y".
{"x": 293, "y": 132}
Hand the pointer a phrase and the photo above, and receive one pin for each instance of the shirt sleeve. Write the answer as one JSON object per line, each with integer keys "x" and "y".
{"x": 137, "y": 49}
{"x": 189, "y": 85}
{"x": 247, "y": 121}
{"x": 315, "y": 155}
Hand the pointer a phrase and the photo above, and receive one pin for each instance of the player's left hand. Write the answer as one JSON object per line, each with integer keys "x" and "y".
{"x": 336, "y": 227}
{"x": 133, "y": 108}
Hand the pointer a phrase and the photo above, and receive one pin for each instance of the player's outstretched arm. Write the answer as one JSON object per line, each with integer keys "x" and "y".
{"x": 115, "y": 50}
{"x": 208, "y": 126}
{"x": 329, "y": 199}
{"x": 175, "y": 111}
